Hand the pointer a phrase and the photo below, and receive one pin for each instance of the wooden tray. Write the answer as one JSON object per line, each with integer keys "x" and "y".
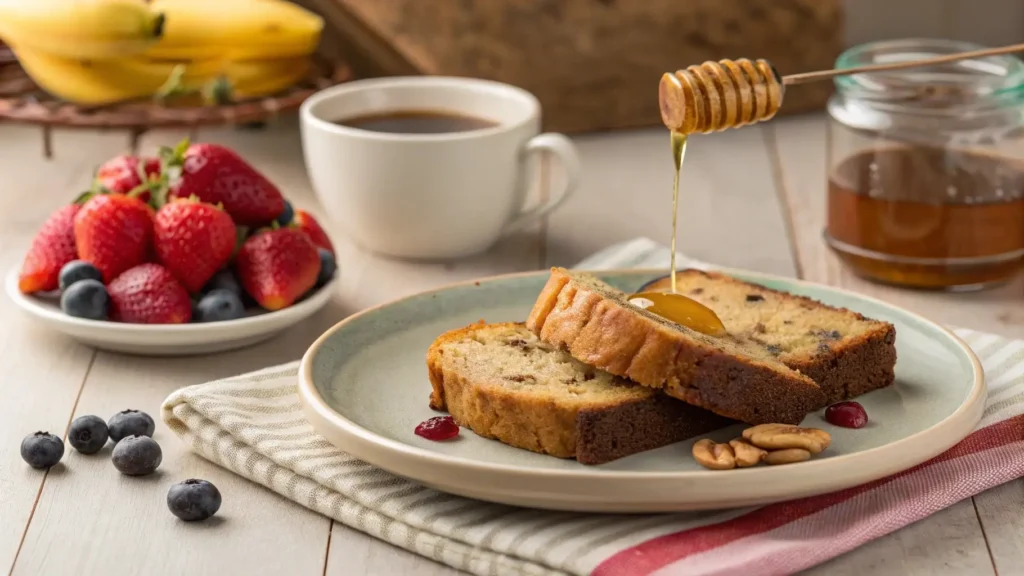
{"x": 22, "y": 101}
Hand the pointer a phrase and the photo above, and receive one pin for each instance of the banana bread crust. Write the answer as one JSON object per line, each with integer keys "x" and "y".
{"x": 598, "y": 327}
{"x": 637, "y": 420}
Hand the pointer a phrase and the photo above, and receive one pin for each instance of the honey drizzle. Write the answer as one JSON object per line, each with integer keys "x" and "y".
{"x": 678, "y": 153}
{"x": 673, "y": 306}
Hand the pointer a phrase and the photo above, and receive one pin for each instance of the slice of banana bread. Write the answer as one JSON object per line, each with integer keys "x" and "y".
{"x": 597, "y": 325}
{"x": 503, "y": 383}
{"x": 844, "y": 352}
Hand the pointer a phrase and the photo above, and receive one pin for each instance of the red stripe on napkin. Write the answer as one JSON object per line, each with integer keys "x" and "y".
{"x": 645, "y": 558}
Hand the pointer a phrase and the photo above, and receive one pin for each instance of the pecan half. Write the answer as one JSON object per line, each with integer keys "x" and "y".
{"x": 746, "y": 454}
{"x": 785, "y": 436}
{"x": 714, "y": 456}
{"x": 787, "y": 456}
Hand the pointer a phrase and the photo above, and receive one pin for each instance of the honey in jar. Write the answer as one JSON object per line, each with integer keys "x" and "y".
{"x": 926, "y": 168}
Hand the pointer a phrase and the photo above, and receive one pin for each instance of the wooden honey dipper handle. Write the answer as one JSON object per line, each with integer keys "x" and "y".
{"x": 806, "y": 77}
{"x": 715, "y": 96}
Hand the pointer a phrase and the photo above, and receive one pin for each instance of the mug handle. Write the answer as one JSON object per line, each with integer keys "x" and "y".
{"x": 562, "y": 147}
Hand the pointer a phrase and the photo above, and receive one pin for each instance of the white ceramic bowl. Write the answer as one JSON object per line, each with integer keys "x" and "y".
{"x": 168, "y": 339}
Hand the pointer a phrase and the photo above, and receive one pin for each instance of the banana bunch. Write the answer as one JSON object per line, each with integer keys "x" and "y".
{"x": 96, "y": 52}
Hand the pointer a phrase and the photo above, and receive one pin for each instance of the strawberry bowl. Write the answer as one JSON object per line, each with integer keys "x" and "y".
{"x": 191, "y": 251}
{"x": 167, "y": 339}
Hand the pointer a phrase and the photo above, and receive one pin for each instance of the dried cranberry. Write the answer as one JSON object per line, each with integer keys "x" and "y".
{"x": 847, "y": 415}
{"x": 438, "y": 428}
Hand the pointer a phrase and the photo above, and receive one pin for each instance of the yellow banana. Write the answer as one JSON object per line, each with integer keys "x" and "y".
{"x": 92, "y": 29}
{"x": 98, "y": 82}
{"x": 236, "y": 29}
{"x": 259, "y": 78}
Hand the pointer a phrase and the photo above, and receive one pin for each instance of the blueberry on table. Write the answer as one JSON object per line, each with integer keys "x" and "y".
{"x": 193, "y": 500}
{"x": 219, "y": 305}
{"x": 286, "y": 215}
{"x": 224, "y": 280}
{"x": 88, "y": 434}
{"x": 86, "y": 299}
{"x": 328, "y": 266}
{"x": 77, "y": 270}
{"x": 130, "y": 423}
{"x": 42, "y": 450}
{"x": 137, "y": 456}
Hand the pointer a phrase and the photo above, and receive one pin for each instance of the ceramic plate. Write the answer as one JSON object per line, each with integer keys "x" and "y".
{"x": 365, "y": 388}
{"x": 171, "y": 339}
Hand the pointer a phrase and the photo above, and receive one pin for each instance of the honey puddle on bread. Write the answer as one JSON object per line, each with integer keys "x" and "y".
{"x": 672, "y": 305}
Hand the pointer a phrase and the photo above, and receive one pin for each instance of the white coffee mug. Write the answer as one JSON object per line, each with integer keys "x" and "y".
{"x": 429, "y": 196}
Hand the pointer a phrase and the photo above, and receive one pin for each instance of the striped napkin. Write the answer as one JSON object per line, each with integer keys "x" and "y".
{"x": 252, "y": 424}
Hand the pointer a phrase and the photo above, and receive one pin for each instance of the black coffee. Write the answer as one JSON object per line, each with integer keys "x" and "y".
{"x": 416, "y": 122}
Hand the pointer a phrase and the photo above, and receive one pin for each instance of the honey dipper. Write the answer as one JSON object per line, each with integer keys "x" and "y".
{"x": 715, "y": 96}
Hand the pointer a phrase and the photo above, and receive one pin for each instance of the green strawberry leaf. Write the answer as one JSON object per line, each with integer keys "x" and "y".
{"x": 159, "y": 192}
{"x": 95, "y": 189}
{"x": 182, "y": 147}
{"x": 84, "y": 197}
{"x": 172, "y": 161}
{"x": 241, "y": 235}
{"x": 173, "y": 157}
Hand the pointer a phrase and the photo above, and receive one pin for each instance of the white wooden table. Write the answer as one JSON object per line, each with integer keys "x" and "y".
{"x": 752, "y": 198}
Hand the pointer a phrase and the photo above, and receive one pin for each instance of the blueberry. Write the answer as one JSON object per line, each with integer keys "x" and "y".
{"x": 286, "y": 215}
{"x": 137, "y": 456}
{"x": 42, "y": 450}
{"x": 218, "y": 306}
{"x": 328, "y": 266}
{"x": 130, "y": 423}
{"x": 223, "y": 280}
{"x": 78, "y": 270}
{"x": 88, "y": 434}
{"x": 193, "y": 500}
{"x": 86, "y": 299}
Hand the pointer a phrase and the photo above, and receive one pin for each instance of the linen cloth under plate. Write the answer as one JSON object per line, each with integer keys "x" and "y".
{"x": 253, "y": 425}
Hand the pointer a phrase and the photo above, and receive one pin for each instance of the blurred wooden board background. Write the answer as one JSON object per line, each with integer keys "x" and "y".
{"x": 594, "y": 64}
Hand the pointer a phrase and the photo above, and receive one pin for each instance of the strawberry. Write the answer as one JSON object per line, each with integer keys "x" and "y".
{"x": 218, "y": 175}
{"x": 305, "y": 222}
{"x": 276, "y": 267}
{"x": 149, "y": 294}
{"x": 193, "y": 240}
{"x": 122, "y": 174}
{"x": 114, "y": 232}
{"x": 52, "y": 248}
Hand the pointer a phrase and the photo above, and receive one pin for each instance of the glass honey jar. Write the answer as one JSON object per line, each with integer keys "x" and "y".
{"x": 926, "y": 167}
